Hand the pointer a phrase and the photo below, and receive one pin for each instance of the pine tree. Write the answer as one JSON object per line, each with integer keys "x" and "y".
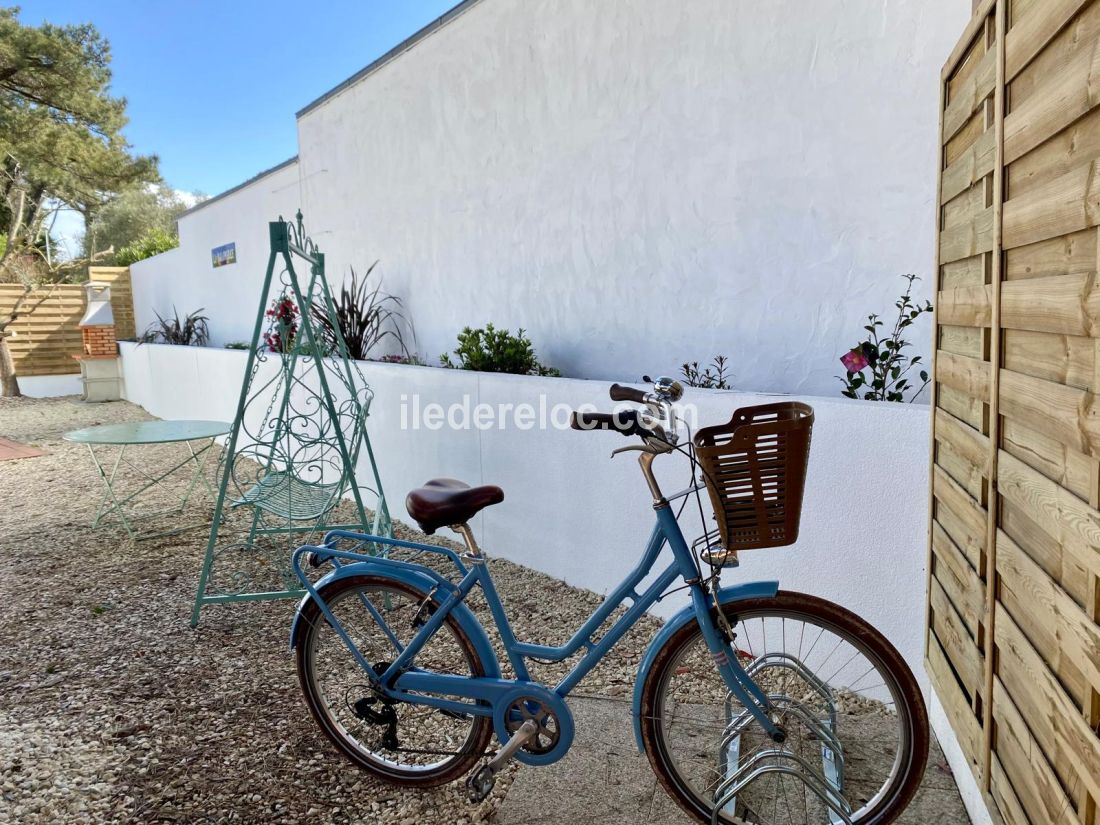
{"x": 61, "y": 144}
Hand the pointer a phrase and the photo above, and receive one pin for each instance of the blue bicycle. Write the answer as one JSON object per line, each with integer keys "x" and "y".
{"x": 754, "y": 705}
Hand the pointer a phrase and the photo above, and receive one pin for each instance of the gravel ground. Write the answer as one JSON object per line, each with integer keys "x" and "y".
{"x": 112, "y": 709}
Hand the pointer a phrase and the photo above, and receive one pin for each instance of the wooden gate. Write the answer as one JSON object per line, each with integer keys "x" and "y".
{"x": 1013, "y": 644}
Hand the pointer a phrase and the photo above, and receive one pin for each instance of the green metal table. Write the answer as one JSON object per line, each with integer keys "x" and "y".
{"x": 136, "y": 433}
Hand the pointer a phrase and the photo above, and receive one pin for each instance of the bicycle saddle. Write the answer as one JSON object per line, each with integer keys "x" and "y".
{"x": 443, "y": 502}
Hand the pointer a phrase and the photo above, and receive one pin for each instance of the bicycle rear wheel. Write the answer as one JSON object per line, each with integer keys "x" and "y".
{"x": 399, "y": 742}
{"x": 855, "y": 722}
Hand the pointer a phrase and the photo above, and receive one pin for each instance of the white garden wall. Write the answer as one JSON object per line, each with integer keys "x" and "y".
{"x": 639, "y": 183}
{"x": 185, "y": 279}
{"x": 573, "y": 513}
{"x": 50, "y": 386}
{"x": 635, "y": 182}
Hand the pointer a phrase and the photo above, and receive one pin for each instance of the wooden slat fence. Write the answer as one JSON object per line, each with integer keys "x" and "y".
{"x": 45, "y": 341}
{"x": 1013, "y": 636}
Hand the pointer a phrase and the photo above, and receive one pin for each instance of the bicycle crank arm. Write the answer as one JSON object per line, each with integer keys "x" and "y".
{"x": 481, "y": 781}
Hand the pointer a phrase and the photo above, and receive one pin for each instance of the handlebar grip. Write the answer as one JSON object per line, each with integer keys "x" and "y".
{"x": 625, "y": 422}
{"x": 621, "y": 393}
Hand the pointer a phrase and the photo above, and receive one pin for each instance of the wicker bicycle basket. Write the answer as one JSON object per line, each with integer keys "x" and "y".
{"x": 755, "y": 471}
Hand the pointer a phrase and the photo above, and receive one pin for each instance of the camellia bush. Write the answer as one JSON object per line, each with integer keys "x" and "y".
{"x": 879, "y": 368}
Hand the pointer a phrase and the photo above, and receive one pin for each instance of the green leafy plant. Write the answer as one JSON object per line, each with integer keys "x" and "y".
{"x": 153, "y": 242}
{"x": 191, "y": 331}
{"x": 237, "y": 345}
{"x": 878, "y": 368}
{"x": 712, "y": 377}
{"x": 496, "y": 350}
{"x": 365, "y": 317}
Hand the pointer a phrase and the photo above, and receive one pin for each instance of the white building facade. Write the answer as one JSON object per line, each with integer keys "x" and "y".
{"x": 636, "y": 183}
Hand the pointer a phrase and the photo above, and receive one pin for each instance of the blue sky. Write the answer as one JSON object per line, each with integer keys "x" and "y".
{"x": 213, "y": 86}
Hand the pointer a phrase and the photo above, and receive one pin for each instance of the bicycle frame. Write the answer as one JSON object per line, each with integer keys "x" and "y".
{"x": 479, "y": 695}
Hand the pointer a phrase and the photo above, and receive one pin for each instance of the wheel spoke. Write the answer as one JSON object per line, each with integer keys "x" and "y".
{"x": 840, "y": 739}
{"x": 398, "y": 741}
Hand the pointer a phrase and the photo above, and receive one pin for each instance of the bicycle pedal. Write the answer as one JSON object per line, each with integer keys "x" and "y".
{"x": 480, "y": 783}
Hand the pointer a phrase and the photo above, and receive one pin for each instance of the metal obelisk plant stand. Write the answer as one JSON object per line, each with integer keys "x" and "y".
{"x": 297, "y": 436}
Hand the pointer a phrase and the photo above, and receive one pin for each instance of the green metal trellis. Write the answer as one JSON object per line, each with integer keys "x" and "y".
{"x": 297, "y": 437}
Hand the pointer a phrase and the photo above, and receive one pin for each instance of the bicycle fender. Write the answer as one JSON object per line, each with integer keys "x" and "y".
{"x": 726, "y": 595}
{"x": 422, "y": 581}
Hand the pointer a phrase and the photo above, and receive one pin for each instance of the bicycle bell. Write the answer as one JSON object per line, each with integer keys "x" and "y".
{"x": 668, "y": 389}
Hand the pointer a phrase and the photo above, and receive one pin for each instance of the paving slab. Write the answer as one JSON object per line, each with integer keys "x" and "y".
{"x": 604, "y": 780}
{"x": 10, "y": 450}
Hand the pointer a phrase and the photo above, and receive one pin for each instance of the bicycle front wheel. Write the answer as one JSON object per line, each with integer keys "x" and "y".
{"x": 399, "y": 742}
{"x": 855, "y": 722}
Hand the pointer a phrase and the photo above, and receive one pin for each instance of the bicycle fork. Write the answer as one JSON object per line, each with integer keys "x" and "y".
{"x": 716, "y": 630}
{"x": 719, "y": 638}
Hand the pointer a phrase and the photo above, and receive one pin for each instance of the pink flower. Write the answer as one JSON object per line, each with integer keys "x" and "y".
{"x": 854, "y": 361}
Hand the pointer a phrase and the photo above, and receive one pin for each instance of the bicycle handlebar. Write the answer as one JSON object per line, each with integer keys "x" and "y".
{"x": 620, "y": 393}
{"x": 624, "y": 422}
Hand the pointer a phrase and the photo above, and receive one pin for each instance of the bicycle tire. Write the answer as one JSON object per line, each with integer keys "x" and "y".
{"x": 841, "y": 621}
{"x": 481, "y": 727}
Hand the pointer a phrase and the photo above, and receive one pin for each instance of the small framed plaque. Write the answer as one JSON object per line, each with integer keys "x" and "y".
{"x": 224, "y": 255}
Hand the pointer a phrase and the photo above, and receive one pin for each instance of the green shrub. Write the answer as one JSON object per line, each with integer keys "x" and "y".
{"x": 712, "y": 377}
{"x": 153, "y": 242}
{"x": 496, "y": 350}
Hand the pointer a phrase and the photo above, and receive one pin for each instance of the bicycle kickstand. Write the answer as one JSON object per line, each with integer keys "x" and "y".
{"x": 481, "y": 781}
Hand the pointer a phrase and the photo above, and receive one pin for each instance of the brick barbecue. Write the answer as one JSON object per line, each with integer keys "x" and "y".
{"x": 99, "y": 360}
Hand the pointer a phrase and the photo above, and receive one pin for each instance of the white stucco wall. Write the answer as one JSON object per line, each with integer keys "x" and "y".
{"x": 635, "y": 183}
{"x": 50, "y": 386}
{"x": 185, "y": 280}
{"x": 642, "y": 183}
{"x": 572, "y": 512}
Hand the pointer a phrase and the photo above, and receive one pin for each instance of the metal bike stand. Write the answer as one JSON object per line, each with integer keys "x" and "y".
{"x": 826, "y": 783}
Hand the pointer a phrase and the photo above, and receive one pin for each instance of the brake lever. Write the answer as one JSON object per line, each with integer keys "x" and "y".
{"x": 641, "y": 448}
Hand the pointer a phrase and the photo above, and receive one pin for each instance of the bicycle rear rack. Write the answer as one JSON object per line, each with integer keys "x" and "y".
{"x": 826, "y": 783}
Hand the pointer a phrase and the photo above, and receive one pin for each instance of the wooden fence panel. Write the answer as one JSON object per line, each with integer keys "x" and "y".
{"x": 965, "y": 375}
{"x": 45, "y": 341}
{"x": 1014, "y": 585}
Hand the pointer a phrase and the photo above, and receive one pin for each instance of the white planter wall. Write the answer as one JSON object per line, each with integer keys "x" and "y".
{"x": 571, "y": 512}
